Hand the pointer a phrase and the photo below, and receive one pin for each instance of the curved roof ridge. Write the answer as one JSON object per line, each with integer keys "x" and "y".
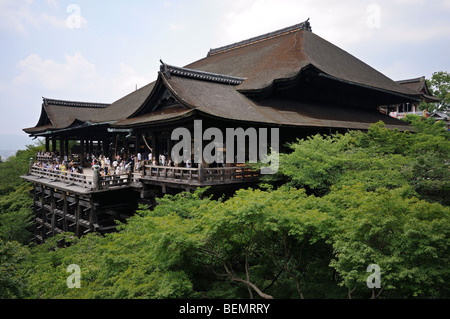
{"x": 200, "y": 75}
{"x": 419, "y": 79}
{"x": 301, "y": 26}
{"x": 74, "y": 103}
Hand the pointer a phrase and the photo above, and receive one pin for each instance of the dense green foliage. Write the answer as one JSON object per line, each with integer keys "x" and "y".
{"x": 379, "y": 158}
{"x": 439, "y": 86}
{"x": 14, "y": 167}
{"x": 15, "y": 198}
{"x": 15, "y": 221}
{"x": 345, "y": 202}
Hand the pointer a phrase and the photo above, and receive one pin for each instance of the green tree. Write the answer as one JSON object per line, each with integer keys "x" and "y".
{"x": 439, "y": 86}
{"x": 12, "y": 284}
{"x": 377, "y": 159}
{"x": 407, "y": 238}
{"x": 14, "y": 167}
{"x": 15, "y": 198}
{"x": 348, "y": 201}
{"x": 16, "y": 215}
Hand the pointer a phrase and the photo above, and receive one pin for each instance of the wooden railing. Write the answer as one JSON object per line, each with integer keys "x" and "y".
{"x": 109, "y": 181}
{"x": 44, "y": 158}
{"x": 206, "y": 176}
{"x": 82, "y": 180}
{"x": 61, "y": 176}
{"x": 177, "y": 175}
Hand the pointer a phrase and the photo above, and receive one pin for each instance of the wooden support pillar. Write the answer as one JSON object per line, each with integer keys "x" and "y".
{"x": 91, "y": 147}
{"x": 200, "y": 173}
{"x": 44, "y": 216}
{"x": 47, "y": 144}
{"x": 106, "y": 148}
{"x": 35, "y": 211}
{"x": 169, "y": 148}
{"x": 65, "y": 212}
{"x": 83, "y": 152}
{"x": 44, "y": 213}
{"x": 66, "y": 148}
{"x": 77, "y": 216}
{"x": 136, "y": 144}
{"x": 61, "y": 148}
{"x": 154, "y": 147}
{"x": 53, "y": 208}
{"x": 54, "y": 144}
{"x": 92, "y": 215}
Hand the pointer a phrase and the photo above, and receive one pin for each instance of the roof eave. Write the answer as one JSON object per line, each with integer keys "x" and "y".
{"x": 50, "y": 132}
{"x": 412, "y": 98}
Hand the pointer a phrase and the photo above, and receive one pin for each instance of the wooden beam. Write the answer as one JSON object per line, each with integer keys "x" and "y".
{"x": 77, "y": 216}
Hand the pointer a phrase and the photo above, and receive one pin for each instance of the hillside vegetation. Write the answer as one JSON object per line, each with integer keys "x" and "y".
{"x": 337, "y": 205}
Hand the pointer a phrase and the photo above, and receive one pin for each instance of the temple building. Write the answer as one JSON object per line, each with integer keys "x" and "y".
{"x": 290, "y": 80}
{"x": 400, "y": 111}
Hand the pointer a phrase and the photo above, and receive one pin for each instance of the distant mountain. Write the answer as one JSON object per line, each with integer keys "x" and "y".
{"x": 10, "y": 144}
{"x": 5, "y": 154}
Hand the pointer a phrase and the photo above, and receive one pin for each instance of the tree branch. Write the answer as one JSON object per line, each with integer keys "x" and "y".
{"x": 247, "y": 282}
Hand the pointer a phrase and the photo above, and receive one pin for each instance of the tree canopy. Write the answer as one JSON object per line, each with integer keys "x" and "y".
{"x": 339, "y": 204}
{"x": 439, "y": 86}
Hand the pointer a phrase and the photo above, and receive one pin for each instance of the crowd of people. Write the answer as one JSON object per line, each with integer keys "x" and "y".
{"x": 105, "y": 165}
{"x": 52, "y": 161}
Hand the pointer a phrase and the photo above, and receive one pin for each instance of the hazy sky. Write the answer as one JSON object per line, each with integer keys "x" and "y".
{"x": 98, "y": 50}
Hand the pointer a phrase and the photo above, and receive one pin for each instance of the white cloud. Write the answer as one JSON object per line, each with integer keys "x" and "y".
{"x": 22, "y": 15}
{"x": 50, "y": 75}
{"x": 248, "y": 18}
{"x": 128, "y": 79}
{"x": 177, "y": 27}
{"x": 351, "y": 23}
{"x": 53, "y": 3}
{"x": 245, "y": 19}
{"x": 75, "y": 78}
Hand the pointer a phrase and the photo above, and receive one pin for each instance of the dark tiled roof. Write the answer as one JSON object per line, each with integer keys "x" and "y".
{"x": 217, "y": 84}
{"x": 74, "y": 104}
{"x": 301, "y": 26}
{"x": 200, "y": 75}
{"x": 224, "y": 102}
{"x": 60, "y": 114}
{"x": 284, "y": 56}
{"x": 420, "y": 86}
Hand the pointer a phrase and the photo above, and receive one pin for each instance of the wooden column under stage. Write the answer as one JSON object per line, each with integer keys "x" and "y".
{"x": 60, "y": 210}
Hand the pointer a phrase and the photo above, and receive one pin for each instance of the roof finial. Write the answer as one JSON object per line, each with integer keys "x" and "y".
{"x": 164, "y": 69}
{"x": 307, "y": 25}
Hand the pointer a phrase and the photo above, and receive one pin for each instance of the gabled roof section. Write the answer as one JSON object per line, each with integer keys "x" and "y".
{"x": 283, "y": 54}
{"x": 129, "y": 104}
{"x": 163, "y": 96}
{"x": 420, "y": 85}
{"x": 159, "y": 97}
{"x": 191, "y": 92}
{"x": 63, "y": 114}
{"x": 301, "y": 26}
{"x": 416, "y": 84}
{"x": 222, "y": 101}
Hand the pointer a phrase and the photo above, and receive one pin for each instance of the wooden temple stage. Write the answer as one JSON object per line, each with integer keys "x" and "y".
{"x": 89, "y": 202}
